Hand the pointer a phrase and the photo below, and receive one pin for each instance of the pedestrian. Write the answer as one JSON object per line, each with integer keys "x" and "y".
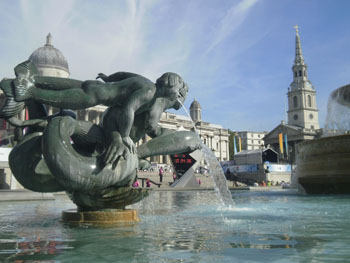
{"x": 174, "y": 176}
{"x": 136, "y": 184}
{"x": 148, "y": 182}
{"x": 161, "y": 173}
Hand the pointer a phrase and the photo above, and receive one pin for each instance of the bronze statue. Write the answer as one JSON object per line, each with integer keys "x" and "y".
{"x": 94, "y": 163}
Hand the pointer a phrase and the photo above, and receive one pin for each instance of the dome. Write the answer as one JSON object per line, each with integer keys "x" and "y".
{"x": 195, "y": 104}
{"x": 49, "y": 57}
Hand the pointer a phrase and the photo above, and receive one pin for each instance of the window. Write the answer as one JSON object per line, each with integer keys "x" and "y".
{"x": 295, "y": 74}
{"x": 309, "y": 100}
{"x": 300, "y": 73}
{"x": 311, "y": 116}
{"x": 295, "y": 101}
{"x": 295, "y": 117}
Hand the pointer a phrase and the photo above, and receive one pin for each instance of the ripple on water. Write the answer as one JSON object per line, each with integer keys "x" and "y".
{"x": 186, "y": 227}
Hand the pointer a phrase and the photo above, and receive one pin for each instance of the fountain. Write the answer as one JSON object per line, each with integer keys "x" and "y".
{"x": 95, "y": 164}
{"x": 176, "y": 226}
{"x": 216, "y": 171}
{"x": 323, "y": 165}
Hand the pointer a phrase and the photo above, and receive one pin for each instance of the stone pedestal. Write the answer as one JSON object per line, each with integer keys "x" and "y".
{"x": 323, "y": 165}
{"x": 102, "y": 217}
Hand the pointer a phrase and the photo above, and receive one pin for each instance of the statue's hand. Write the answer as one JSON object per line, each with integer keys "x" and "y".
{"x": 102, "y": 76}
{"x": 115, "y": 150}
{"x": 129, "y": 144}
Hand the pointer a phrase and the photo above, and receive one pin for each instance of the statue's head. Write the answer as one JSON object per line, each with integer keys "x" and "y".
{"x": 171, "y": 86}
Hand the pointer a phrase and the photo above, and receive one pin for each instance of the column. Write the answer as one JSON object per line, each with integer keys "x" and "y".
{"x": 49, "y": 111}
{"x": 97, "y": 117}
{"x": 86, "y": 115}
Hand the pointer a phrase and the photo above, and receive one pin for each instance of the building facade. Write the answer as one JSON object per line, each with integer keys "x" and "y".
{"x": 212, "y": 135}
{"x": 251, "y": 140}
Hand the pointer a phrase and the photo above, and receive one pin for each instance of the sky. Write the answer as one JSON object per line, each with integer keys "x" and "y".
{"x": 235, "y": 55}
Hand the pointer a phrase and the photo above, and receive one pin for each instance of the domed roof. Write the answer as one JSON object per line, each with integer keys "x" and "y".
{"x": 195, "y": 104}
{"x": 49, "y": 56}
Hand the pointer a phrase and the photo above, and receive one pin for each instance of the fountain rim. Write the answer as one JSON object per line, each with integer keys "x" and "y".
{"x": 335, "y": 137}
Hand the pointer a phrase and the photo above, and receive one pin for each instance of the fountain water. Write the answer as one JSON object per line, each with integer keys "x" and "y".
{"x": 215, "y": 169}
{"x": 338, "y": 118}
{"x": 185, "y": 226}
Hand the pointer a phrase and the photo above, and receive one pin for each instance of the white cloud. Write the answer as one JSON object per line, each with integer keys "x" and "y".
{"x": 231, "y": 21}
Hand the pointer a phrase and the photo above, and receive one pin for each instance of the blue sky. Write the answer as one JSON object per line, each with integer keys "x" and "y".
{"x": 235, "y": 55}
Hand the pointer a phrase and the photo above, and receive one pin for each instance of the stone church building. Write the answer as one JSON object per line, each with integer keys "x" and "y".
{"x": 302, "y": 110}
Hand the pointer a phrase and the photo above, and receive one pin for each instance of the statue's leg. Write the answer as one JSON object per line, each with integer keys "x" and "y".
{"x": 61, "y": 93}
{"x": 73, "y": 99}
{"x": 172, "y": 143}
{"x": 29, "y": 168}
{"x": 76, "y": 170}
{"x": 57, "y": 92}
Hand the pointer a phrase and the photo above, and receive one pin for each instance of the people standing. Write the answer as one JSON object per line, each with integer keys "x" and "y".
{"x": 161, "y": 173}
{"x": 174, "y": 176}
{"x": 136, "y": 184}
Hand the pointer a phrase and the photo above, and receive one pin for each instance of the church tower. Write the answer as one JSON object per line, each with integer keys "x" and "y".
{"x": 302, "y": 107}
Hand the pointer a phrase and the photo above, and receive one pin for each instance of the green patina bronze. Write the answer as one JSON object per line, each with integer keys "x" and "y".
{"x": 95, "y": 164}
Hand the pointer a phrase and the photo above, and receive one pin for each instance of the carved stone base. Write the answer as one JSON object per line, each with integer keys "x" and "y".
{"x": 102, "y": 217}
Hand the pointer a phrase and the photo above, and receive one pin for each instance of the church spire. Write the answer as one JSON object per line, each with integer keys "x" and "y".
{"x": 299, "y": 67}
{"x": 302, "y": 108}
{"x": 299, "y": 59}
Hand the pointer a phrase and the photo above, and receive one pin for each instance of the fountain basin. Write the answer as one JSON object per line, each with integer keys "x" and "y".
{"x": 101, "y": 217}
{"x": 323, "y": 165}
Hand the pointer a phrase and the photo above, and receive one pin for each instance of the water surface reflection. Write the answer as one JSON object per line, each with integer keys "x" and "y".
{"x": 279, "y": 226}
